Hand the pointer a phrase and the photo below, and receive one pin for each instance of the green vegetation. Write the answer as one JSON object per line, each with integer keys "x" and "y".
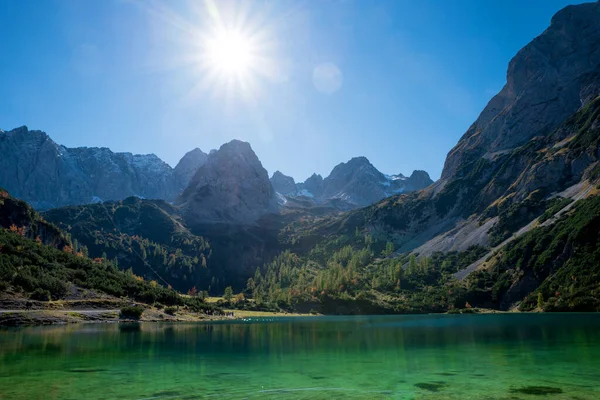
{"x": 142, "y": 235}
{"x": 556, "y": 268}
{"x": 40, "y": 261}
{"x": 31, "y": 267}
{"x": 554, "y": 205}
{"x": 513, "y": 216}
{"x": 171, "y": 310}
{"x": 132, "y": 312}
{"x": 354, "y": 279}
{"x": 228, "y": 294}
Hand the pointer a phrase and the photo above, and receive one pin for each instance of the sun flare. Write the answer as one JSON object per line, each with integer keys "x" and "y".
{"x": 230, "y": 52}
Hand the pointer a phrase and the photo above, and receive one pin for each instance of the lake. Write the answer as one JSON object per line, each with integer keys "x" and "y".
{"x": 491, "y": 356}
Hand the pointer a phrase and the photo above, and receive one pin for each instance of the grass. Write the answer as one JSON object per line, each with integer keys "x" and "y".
{"x": 213, "y": 299}
{"x": 250, "y": 314}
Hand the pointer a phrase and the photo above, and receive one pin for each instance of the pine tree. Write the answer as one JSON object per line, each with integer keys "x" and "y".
{"x": 412, "y": 264}
{"x": 389, "y": 248}
{"x": 228, "y": 295}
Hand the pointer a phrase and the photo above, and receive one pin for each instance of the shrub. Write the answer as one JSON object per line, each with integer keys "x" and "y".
{"x": 40, "y": 294}
{"x": 171, "y": 310}
{"x": 132, "y": 312}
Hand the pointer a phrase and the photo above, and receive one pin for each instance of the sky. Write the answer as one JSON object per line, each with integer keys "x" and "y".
{"x": 319, "y": 82}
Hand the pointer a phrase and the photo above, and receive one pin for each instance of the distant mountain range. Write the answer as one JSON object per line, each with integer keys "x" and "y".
{"x": 356, "y": 182}
{"x": 47, "y": 175}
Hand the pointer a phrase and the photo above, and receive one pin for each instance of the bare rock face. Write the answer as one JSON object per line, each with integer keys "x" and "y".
{"x": 358, "y": 183}
{"x": 544, "y": 84}
{"x": 283, "y": 184}
{"x": 232, "y": 187}
{"x": 188, "y": 165}
{"x": 36, "y": 169}
{"x": 312, "y": 187}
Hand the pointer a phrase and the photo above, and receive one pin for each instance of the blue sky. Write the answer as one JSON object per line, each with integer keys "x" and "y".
{"x": 408, "y": 79}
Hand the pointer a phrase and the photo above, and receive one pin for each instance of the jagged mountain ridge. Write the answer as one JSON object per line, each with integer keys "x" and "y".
{"x": 48, "y": 175}
{"x": 231, "y": 187}
{"x": 356, "y": 182}
{"x": 45, "y": 174}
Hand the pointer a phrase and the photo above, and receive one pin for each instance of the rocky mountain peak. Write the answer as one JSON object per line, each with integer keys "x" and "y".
{"x": 188, "y": 165}
{"x": 283, "y": 184}
{"x": 420, "y": 178}
{"x": 543, "y": 87}
{"x": 231, "y": 187}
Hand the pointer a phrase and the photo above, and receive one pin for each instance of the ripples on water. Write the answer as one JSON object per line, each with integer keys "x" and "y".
{"x": 520, "y": 356}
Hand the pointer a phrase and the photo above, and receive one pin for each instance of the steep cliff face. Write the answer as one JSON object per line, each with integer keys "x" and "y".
{"x": 544, "y": 85}
{"x": 231, "y": 187}
{"x": 46, "y": 175}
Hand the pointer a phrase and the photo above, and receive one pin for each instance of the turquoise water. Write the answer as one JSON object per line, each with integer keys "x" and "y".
{"x": 509, "y": 356}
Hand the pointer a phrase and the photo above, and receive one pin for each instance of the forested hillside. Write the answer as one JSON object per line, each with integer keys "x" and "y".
{"x": 41, "y": 262}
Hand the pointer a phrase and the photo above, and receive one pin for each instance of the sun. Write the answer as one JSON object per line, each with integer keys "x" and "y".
{"x": 230, "y": 53}
{"x": 229, "y": 49}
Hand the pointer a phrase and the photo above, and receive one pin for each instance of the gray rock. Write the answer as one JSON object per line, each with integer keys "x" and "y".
{"x": 359, "y": 183}
{"x": 544, "y": 84}
{"x": 36, "y": 169}
{"x": 232, "y": 187}
{"x": 283, "y": 184}
{"x": 188, "y": 165}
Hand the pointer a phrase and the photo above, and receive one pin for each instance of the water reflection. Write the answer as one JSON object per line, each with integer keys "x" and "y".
{"x": 393, "y": 356}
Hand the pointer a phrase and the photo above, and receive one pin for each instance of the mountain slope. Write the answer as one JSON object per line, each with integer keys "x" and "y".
{"x": 36, "y": 169}
{"x": 531, "y": 151}
{"x": 546, "y": 82}
{"x": 41, "y": 262}
{"x": 145, "y": 235}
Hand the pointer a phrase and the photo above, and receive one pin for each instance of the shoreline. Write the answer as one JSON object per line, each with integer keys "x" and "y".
{"x": 49, "y": 316}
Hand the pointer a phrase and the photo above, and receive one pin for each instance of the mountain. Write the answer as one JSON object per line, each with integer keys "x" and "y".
{"x": 148, "y": 236}
{"x": 546, "y": 82}
{"x": 39, "y": 261}
{"x": 283, "y": 184}
{"x": 356, "y": 183}
{"x": 312, "y": 187}
{"x": 188, "y": 165}
{"x": 36, "y": 169}
{"x": 359, "y": 182}
{"x": 232, "y": 187}
{"x": 528, "y": 144}
{"x": 530, "y": 161}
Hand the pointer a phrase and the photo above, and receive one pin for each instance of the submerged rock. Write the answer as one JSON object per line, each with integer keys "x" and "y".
{"x": 537, "y": 390}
